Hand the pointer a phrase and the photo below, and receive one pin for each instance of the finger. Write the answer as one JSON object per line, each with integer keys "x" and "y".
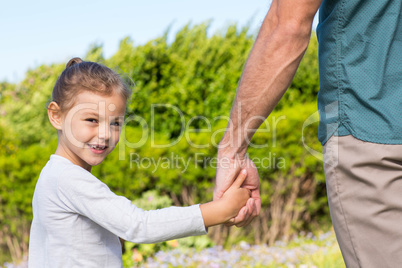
{"x": 240, "y": 178}
{"x": 247, "y": 219}
{"x": 223, "y": 182}
{"x": 246, "y": 222}
{"x": 252, "y": 207}
{"x": 256, "y": 210}
{"x": 230, "y": 223}
{"x": 249, "y": 214}
{"x": 242, "y": 216}
{"x": 255, "y": 195}
{"x": 257, "y": 205}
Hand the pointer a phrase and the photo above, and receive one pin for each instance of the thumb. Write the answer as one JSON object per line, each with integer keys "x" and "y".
{"x": 240, "y": 178}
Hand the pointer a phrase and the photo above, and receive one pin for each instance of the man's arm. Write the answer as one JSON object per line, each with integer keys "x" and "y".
{"x": 270, "y": 68}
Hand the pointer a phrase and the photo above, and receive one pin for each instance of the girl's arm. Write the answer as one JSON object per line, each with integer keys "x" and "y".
{"x": 227, "y": 207}
{"x": 84, "y": 194}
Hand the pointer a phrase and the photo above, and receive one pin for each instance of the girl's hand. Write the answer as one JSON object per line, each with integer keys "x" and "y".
{"x": 253, "y": 206}
{"x": 236, "y": 197}
{"x": 225, "y": 175}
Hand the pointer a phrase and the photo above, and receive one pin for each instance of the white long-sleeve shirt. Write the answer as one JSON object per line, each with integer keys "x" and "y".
{"x": 77, "y": 220}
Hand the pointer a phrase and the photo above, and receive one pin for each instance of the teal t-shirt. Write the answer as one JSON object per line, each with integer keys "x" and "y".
{"x": 360, "y": 63}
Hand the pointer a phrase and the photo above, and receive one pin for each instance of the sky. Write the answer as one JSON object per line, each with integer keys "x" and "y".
{"x": 39, "y": 32}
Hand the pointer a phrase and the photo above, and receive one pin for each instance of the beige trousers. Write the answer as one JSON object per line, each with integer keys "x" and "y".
{"x": 364, "y": 185}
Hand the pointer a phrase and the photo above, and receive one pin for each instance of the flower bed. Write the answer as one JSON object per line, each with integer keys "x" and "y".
{"x": 306, "y": 251}
{"x": 303, "y": 252}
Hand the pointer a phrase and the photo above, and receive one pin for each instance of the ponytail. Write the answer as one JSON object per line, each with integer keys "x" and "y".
{"x": 73, "y": 61}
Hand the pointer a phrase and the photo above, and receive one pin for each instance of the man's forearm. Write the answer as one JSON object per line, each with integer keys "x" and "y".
{"x": 270, "y": 68}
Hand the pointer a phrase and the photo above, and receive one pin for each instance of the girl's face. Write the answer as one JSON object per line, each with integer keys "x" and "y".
{"x": 90, "y": 130}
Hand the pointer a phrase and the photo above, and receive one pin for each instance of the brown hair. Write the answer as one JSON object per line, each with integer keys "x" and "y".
{"x": 82, "y": 75}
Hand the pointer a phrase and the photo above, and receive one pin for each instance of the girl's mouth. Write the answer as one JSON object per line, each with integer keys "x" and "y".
{"x": 97, "y": 148}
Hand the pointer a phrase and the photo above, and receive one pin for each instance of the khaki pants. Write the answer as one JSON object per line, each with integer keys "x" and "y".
{"x": 364, "y": 185}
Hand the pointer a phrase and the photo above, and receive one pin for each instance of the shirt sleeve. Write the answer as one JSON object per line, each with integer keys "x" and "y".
{"x": 83, "y": 193}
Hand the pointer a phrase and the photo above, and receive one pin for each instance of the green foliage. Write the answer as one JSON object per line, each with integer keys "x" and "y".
{"x": 19, "y": 171}
{"x": 150, "y": 200}
{"x": 25, "y": 108}
{"x": 189, "y": 82}
{"x": 95, "y": 53}
{"x": 305, "y": 85}
{"x": 196, "y": 74}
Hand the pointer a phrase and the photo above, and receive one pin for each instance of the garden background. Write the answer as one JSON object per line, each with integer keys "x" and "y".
{"x": 194, "y": 75}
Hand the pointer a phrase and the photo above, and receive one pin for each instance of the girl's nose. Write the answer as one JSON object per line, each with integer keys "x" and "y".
{"x": 104, "y": 132}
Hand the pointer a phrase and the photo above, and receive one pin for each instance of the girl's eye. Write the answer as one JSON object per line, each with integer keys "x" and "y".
{"x": 116, "y": 124}
{"x": 92, "y": 120}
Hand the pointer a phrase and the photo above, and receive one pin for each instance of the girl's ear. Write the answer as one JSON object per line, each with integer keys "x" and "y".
{"x": 54, "y": 114}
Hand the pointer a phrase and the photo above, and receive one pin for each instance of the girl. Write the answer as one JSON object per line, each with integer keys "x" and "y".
{"x": 77, "y": 219}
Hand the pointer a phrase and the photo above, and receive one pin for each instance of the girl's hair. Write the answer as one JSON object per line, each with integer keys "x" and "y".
{"x": 81, "y": 76}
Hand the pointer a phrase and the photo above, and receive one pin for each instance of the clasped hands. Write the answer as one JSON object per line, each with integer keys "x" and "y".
{"x": 226, "y": 173}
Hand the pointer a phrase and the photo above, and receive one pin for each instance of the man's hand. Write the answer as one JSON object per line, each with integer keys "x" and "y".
{"x": 227, "y": 171}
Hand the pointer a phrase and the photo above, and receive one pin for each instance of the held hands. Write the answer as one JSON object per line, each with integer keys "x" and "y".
{"x": 228, "y": 206}
{"x": 225, "y": 175}
{"x": 236, "y": 196}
